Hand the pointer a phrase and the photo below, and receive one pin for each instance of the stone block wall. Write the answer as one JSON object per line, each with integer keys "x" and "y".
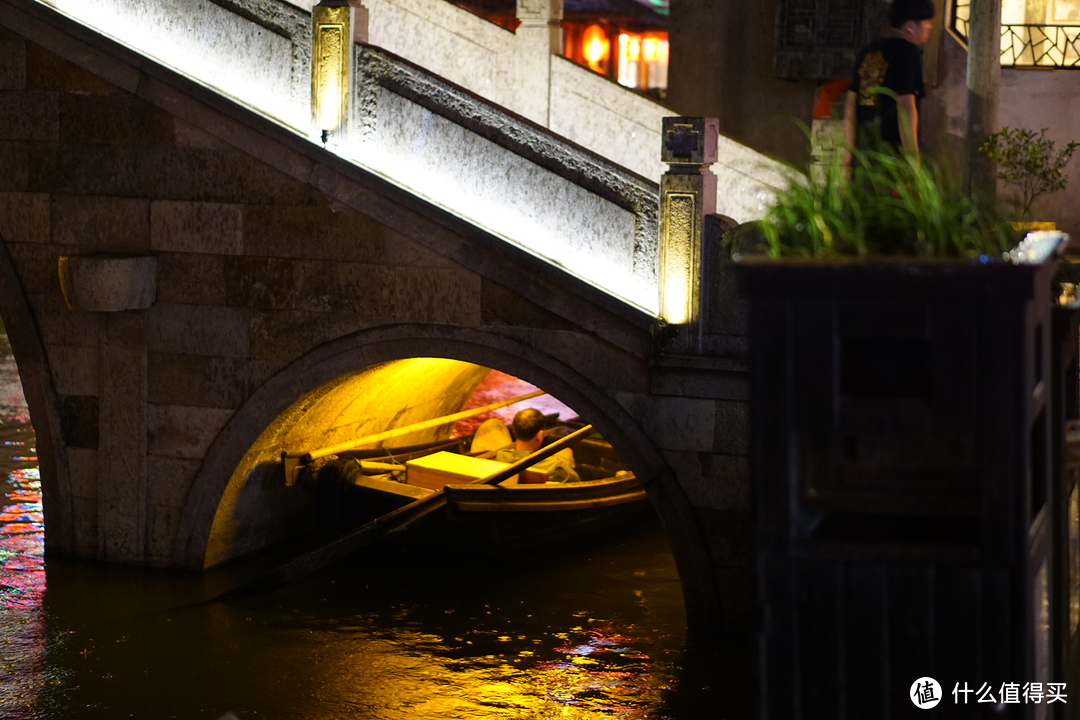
{"x": 255, "y": 269}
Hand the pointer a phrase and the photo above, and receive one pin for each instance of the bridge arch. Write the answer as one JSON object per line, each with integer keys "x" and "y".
{"x": 41, "y": 400}
{"x": 202, "y": 541}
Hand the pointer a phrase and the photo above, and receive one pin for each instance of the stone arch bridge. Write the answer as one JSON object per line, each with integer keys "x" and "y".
{"x": 222, "y": 274}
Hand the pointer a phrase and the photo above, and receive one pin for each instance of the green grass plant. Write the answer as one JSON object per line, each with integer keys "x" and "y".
{"x": 890, "y": 204}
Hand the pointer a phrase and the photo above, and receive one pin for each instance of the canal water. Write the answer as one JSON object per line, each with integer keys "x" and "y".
{"x": 592, "y": 630}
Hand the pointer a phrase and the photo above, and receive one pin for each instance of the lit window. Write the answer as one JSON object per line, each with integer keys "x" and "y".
{"x": 1034, "y": 33}
{"x": 643, "y": 61}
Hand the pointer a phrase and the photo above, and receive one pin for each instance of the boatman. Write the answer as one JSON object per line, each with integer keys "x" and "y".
{"x": 528, "y": 427}
{"x": 887, "y": 83}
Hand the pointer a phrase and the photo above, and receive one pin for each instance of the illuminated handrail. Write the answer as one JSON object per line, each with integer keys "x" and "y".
{"x": 1027, "y": 45}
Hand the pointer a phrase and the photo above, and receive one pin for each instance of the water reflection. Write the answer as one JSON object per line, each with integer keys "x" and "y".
{"x": 22, "y": 563}
{"x": 403, "y": 633}
{"x": 410, "y": 634}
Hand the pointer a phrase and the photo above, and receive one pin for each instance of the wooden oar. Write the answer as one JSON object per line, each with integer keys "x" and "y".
{"x": 393, "y": 522}
{"x": 507, "y": 472}
{"x": 293, "y": 460}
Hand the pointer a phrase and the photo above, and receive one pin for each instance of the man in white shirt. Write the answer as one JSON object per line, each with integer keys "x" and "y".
{"x": 528, "y": 427}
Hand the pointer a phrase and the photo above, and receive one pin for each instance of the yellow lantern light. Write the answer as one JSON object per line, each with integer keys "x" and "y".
{"x": 331, "y": 67}
{"x": 595, "y": 46}
{"x": 633, "y": 50}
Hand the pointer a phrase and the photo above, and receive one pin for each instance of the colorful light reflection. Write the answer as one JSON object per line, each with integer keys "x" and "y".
{"x": 22, "y": 573}
{"x": 22, "y": 541}
{"x": 602, "y": 672}
{"x": 593, "y": 674}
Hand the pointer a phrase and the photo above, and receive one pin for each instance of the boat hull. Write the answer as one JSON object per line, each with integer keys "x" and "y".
{"x": 505, "y": 520}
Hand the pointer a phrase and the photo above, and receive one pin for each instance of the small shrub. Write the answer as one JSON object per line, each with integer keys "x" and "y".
{"x": 1027, "y": 160}
{"x": 891, "y": 205}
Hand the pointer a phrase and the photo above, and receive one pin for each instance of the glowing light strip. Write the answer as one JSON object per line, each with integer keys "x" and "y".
{"x": 188, "y": 56}
{"x": 501, "y": 221}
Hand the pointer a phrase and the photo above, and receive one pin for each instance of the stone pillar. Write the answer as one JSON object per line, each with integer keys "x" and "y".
{"x": 687, "y": 195}
{"x": 536, "y": 40}
{"x": 332, "y": 30}
{"x": 983, "y": 81}
{"x": 122, "y": 489}
{"x": 124, "y": 287}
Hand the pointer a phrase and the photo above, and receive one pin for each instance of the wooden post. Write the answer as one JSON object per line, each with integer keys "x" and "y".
{"x": 687, "y": 195}
{"x": 983, "y": 80}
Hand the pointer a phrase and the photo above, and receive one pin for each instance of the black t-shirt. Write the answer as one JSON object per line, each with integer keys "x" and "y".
{"x": 885, "y": 69}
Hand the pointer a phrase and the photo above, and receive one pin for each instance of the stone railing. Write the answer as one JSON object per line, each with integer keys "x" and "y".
{"x": 257, "y": 51}
{"x": 449, "y": 42}
{"x": 577, "y": 185}
{"x": 506, "y": 174}
{"x": 520, "y": 72}
{"x": 582, "y": 212}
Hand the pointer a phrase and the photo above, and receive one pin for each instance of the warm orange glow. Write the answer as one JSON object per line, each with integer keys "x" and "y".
{"x": 648, "y": 49}
{"x": 594, "y": 45}
{"x": 637, "y": 61}
{"x": 380, "y": 397}
{"x": 629, "y": 72}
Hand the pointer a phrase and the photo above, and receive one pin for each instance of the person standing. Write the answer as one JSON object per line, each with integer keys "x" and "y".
{"x": 887, "y": 83}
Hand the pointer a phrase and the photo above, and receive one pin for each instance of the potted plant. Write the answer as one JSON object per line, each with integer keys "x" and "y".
{"x": 1027, "y": 161}
{"x": 900, "y": 434}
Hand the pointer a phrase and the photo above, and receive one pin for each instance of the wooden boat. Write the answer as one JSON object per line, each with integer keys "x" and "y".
{"x": 351, "y": 487}
{"x": 498, "y": 520}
